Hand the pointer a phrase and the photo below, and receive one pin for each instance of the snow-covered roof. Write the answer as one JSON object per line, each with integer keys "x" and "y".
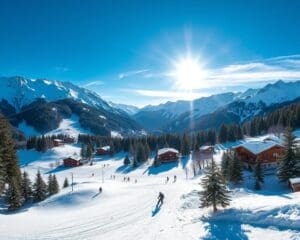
{"x": 105, "y": 148}
{"x": 164, "y": 150}
{"x": 257, "y": 147}
{"x": 57, "y": 140}
{"x": 205, "y": 147}
{"x": 295, "y": 180}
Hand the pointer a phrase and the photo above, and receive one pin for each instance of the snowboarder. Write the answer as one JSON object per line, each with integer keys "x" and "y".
{"x": 160, "y": 199}
{"x": 100, "y": 189}
{"x": 174, "y": 178}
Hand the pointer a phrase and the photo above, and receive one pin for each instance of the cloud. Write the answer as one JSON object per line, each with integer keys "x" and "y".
{"x": 93, "y": 83}
{"x": 132, "y": 73}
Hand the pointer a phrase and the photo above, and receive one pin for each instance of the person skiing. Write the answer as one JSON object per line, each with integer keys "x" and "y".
{"x": 175, "y": 178}
{"x": 167, "y": 179}
{"x": 100, "y": 189}
{"x": 160, "y": 199}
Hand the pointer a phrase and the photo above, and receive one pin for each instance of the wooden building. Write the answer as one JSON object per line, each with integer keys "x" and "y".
{"x": 72, "y": 162}
{"x": 58, "y": 142}
{"x": 103, "y": 150}
{"x": 268, "y": 152}
{"x": 69, "y": 140}
{"x": 166, "y": 155}
{"x": 294, "y": 184}
{"x": 207, "y": 149}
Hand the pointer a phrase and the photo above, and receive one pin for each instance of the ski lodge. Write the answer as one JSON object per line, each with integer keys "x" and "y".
{"x": 69, "y": 140}
{"x": 294, "y": 184}
{"x": 268, "y": 152}
{"x": 103, "y": 150}
{"x": 166, "y": 155}
{"x": 72, "y": 162}
{"x": 58, "y": 142}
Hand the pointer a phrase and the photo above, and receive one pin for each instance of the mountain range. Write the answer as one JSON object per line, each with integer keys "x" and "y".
{"x": 44, "y": 103}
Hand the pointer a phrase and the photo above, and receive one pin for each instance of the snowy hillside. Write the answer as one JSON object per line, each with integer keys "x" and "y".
{"x": 20, "y": 91}
{"x": 126, "y": 210}
{"x": 129, "y": 109}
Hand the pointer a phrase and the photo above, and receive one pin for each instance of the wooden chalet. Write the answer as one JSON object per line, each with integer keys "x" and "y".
{"x": 294, "y": 184}
{"x": 69, "y": 140}
{"x": 268, "y": 152}
{"x": 58, "y": 142}
{"x": 207, "y": 149}
{"x": 166, "y": 155}
{"x": 72, "y": 162}
{"x": 103, "y": 150}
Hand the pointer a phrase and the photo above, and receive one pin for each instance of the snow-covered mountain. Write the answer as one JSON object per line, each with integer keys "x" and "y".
{"x": 211, "y": 111}
{"x": 44, "y": 104}
{"x": 129, "y": 109}
{"x": 243, "y": 107}
{"x": 20, "y": 91}
{"x": 157, "y": 117}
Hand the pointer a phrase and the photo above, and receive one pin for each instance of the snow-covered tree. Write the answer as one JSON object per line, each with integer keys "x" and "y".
{"x": 66, "y": 183}
{"x": 236, "y": 173}
{"x": 26, "y": 187}
{"x": 39, "y": 188}
{"x": 289, "y": 164}
{"x": 214, "y": 191}
{"x": 13, "y": 195}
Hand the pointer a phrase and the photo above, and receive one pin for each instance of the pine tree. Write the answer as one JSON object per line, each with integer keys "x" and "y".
{"x": 26, "y": 187}
{"x": 3, "y": 175}
{"x": 222, "y": 134}
{"x": 214, "y": 191}
{"x": 55, "y": 185}
{"x": 49, "y": 184}
{"x": 236, "y": 173}
{"x": 258, "y": 175}
{"x": 66, "y": 183}
{"x": 9, "y": 165}
{"x": 13, "y": 195}
{"x": 289, "y": 166}
{"x": 185, "y": 145}
{"x": 225, "y": 166}
{"x": 39, "y": 188}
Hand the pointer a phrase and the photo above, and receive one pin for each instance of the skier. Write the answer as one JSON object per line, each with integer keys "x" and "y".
{"x": 167, "y": 179}
{"x": 100, "y": 189}
{"x": 160, "y": 199}
{"x": 135, "y": 181}
{"x": 175, "y": 178}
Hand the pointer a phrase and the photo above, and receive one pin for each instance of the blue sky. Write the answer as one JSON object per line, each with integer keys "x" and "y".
{"x": 125, "y": 50}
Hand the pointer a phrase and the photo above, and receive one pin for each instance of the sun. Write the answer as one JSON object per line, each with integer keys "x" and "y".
{"x": 189, "y": 73}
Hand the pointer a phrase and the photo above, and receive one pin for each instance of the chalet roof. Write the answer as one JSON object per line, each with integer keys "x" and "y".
{"x": 294, "y": 180}
{"x": 205, "y": 147}
{"x": 164, "y": 150}
{"x": 257, "y": 147}
{"x": 73, "y": 158}
{"x": 57, "y": 140}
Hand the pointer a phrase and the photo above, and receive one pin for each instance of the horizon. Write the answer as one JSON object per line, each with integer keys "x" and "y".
{"x": 188, "y": 51}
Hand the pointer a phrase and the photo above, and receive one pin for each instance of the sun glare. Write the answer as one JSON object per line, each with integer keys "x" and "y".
{"x": 189, "y": 73}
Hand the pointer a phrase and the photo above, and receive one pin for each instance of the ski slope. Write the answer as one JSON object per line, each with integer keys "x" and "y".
{"x": 126, "y": 210}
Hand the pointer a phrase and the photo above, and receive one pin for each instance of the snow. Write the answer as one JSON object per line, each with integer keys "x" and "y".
{"x": 126, "y": 210}
{"x": 294, "y": 180}
{"x": 257, "y": 147}
{"x": 115, "y": 134}
{"x": 164, "y": 150}
{"x": 69, "y": 126}
{"x": 106, "y": 148}
{"x": 19, "y": 91}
